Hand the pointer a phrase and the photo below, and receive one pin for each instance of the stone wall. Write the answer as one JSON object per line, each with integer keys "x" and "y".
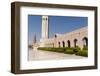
{"x": 74, "y": 38}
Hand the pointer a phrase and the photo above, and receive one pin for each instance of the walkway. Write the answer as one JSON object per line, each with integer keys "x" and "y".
{"x": 47, "y": 55}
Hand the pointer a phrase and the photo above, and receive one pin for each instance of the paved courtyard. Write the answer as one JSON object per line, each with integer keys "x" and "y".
{"x": 47, "y": 55}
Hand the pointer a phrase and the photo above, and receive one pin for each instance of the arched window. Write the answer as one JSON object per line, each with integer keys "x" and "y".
{"x": 68, "y": 42}
{"x": 85, "y": 41}
{"x": 63, "y": 44}
{"x": 75, "y": 42}
{"x": 59, "y": 44}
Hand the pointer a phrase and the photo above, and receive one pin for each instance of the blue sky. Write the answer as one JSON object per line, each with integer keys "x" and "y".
{"x": 57, "y": 24}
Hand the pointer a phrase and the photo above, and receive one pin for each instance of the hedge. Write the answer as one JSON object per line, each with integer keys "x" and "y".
{"x": 67, "y": 50}
{"x": 82, "y": 53}
{"x": 76, "y": 49}
{"x": 85, "y": 48}
{"x": 52, "y": 49}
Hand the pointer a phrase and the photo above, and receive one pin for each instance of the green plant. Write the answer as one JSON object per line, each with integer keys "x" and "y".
{"x": 82, "y": 53}
{"x": 76, "y": 49}
{"x": 52, "y": 49}
{"x": 69, "y": 50}
{"x": 85, "y": 48}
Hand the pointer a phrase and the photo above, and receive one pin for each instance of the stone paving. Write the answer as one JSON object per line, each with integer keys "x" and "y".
{"x": 47, "y": 55}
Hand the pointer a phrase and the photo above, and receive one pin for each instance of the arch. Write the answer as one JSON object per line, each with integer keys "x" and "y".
{"x": 85, "y": 41}
{"x": 68, "y": 42}
{"x": 75, "y": 42}
{"x": 59, "y": 44}
{"x": 63, "y": 43}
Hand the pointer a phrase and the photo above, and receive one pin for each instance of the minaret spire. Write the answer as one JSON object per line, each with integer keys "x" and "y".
{"x": 34, "y": 39}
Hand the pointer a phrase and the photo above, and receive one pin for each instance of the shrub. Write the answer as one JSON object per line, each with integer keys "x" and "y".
{"x": 52, "y": 49}
{"x": 85, "y": 48}
{"x": 69, "y": 50}
{"x": 60, "y": 50}
{"x": 76, "y": 49}
{"x": 82, "y": 53}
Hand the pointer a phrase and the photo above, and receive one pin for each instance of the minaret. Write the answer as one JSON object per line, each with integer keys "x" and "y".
{"x": 44, "y": 31}
{"x": 34, "y": 39}
{"x": 44, "y": 27}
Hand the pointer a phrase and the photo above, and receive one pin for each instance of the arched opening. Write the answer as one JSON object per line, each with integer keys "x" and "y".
{"x": 68, "y": 42}
{"x": 63, "y": 44}
{"x": 85, "y": 41}
{"x": 59, "y": 44}
{"x": 75, "y": 42}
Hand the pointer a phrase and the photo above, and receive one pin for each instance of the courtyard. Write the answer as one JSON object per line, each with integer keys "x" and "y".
{"x": 48, "y": 55}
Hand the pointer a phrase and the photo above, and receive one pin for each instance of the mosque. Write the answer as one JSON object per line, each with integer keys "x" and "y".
{"x": 78, "y": 37}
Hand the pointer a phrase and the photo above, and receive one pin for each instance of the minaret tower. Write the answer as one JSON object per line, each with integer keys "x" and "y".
{"x": 44, "y": 31}
{"x": 44, "y": 27}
